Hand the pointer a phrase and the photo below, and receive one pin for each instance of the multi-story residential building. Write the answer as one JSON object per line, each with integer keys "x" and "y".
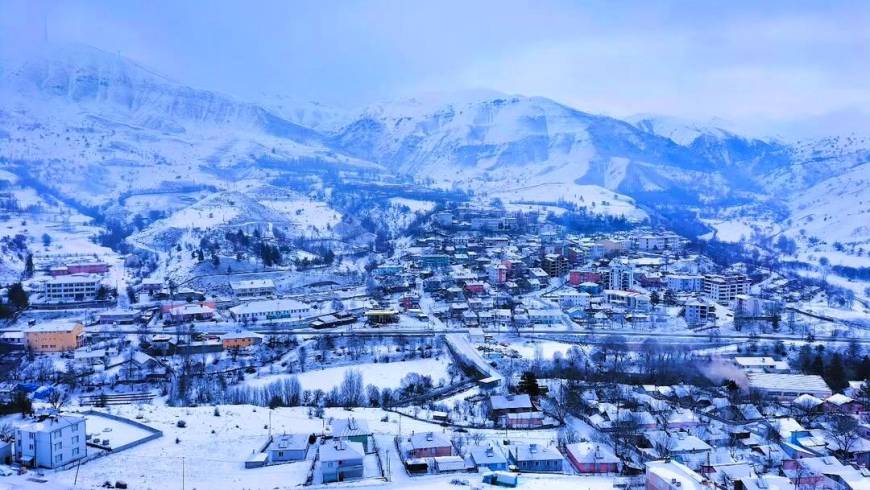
{"x": 630, "y": 300}
{"x": 555, "y": 265}
{"x": 655, "y": 242}
{"x": 71, "y": 288}
{"x": 254, "y": 288}
{"x": 688, "y": 283}
{"x": 55, "y": 336}
{"x": 699, "y": 311}
{"x": 621, "y": 276}
{"x": 723, "y": 289}
{"x": 275, "y": 309}
{"x": 51, "y": 442}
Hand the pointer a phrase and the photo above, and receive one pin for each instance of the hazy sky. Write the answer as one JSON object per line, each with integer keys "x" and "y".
{"x": 736, "y": 60}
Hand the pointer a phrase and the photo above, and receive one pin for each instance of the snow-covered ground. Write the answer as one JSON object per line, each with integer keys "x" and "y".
{"x": 382, "y": 375}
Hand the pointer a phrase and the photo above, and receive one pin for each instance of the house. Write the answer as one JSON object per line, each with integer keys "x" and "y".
{"x": 500, "y": 405}
{"x": 253, "y": 288}
{"x": 839, "y": 403}
{"x": 786, "y": 387}
{"x": 118, "y": 317}
{"x": 341, "y": 460}
{"x": 522, "y": 420}
{"x": 55, "y": 336}
{"x": 593, "y": 458}
{"x": 429, "y": 445}
{"x": 382, "y": 316}
{"x": 72, "y": 288}
{"x": 240, "y": 339}
{"x": 761, "y": 364}
{"x": 673, "y": 475}
{"x": 270, "y": 309}
{"x": 488, "y": 457}
{"x": 333, "y": 320}
{"x": 352, "y": 430}
{"x": 51, "y": 442}
{"x": 824, "y": 472}
{"x": 286, "y": 448}
{"x": 545, "y": 316}
{"x": 147, "y": 365}
{"x": 533, "y": 458}
{"x": 194, "y": 312}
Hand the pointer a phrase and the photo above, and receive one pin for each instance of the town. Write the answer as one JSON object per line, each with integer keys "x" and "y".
{"x": 487, "y": 344}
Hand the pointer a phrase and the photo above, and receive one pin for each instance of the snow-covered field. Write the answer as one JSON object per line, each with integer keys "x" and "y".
{"x": 382, "y": 375}
{"x": 209, "y": 453}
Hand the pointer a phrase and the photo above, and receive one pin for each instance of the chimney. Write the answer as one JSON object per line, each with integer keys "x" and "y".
{"x": 429, "y": 436}
{"x": 533, "y": 448}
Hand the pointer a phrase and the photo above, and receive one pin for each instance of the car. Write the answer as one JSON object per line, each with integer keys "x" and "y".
{"x": 7, "y": 471}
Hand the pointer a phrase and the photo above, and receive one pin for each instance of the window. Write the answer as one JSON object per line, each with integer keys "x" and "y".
{"x": 75, "y": 451}
{"x": 58, "y": 458}
{"x": 75, "y": 440}
{"x": 75, "y": 427}
{"x": 56, "y": 433}
{"x": 58, "y": 446}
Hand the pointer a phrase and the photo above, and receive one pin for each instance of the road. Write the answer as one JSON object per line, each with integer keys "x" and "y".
{"x": 631, "y": 335}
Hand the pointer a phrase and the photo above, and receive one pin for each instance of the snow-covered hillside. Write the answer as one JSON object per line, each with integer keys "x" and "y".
{"x": 95, "y": 125}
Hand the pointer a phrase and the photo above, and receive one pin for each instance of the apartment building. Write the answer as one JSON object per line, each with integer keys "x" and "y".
{"x": 51, "y": 442}
{"x": 724, "y": 289}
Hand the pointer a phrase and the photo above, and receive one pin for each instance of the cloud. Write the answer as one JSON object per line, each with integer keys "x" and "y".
{"x": 737, "y": 60}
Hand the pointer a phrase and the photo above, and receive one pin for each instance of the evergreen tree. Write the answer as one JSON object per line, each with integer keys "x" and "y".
{"x": 28, "y": 266}
{"x": 529, "y": 384}
{"x": 818, "y": 366}
{"x": 835, "y": 374}
{"x": 17, "y": 296}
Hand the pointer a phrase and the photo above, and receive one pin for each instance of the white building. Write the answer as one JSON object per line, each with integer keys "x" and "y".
{"x": 621, "y": 276}
{"x": 275, "y": 309}
{"x": 699, "y": 311}
{"x": 254, "y": 288}
{"x": 689, "y": 283}
{"x": 630, "y": 300}
{"x": 52, "y": 442}
{"x": 72, "y": 288}
{"x": 787, "y": 387}
{"x": 724, "y": 289}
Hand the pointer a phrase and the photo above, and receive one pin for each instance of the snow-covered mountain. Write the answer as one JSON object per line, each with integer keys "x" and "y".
{"x": 95, "y": 125}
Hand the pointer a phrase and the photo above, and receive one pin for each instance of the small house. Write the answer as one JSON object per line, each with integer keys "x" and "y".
{"x": 429, "y": 445}
{"x": 534, "y": 458}
{"x": 341, "y": 460}
{"x": 593, "y": 458}
{"x": 287, "y": 447}
{"x": 488, "y": 457}
{"x": 352, "y": 430}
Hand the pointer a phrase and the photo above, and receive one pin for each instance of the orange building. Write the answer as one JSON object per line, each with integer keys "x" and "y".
{"x": 240, "y": 339}
{"x": 56, "y": 336}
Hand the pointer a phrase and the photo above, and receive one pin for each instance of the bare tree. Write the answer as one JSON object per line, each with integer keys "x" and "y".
{"x": 57, "y": 398}
{"x": 843, "y": 429}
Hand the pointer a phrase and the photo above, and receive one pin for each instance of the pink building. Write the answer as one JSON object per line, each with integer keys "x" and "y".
{"x": 429, "y": 445}
{"x": 592, "y": 458}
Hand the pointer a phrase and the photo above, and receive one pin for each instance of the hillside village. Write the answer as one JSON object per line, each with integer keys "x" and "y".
{"x": 476, "y": 343}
